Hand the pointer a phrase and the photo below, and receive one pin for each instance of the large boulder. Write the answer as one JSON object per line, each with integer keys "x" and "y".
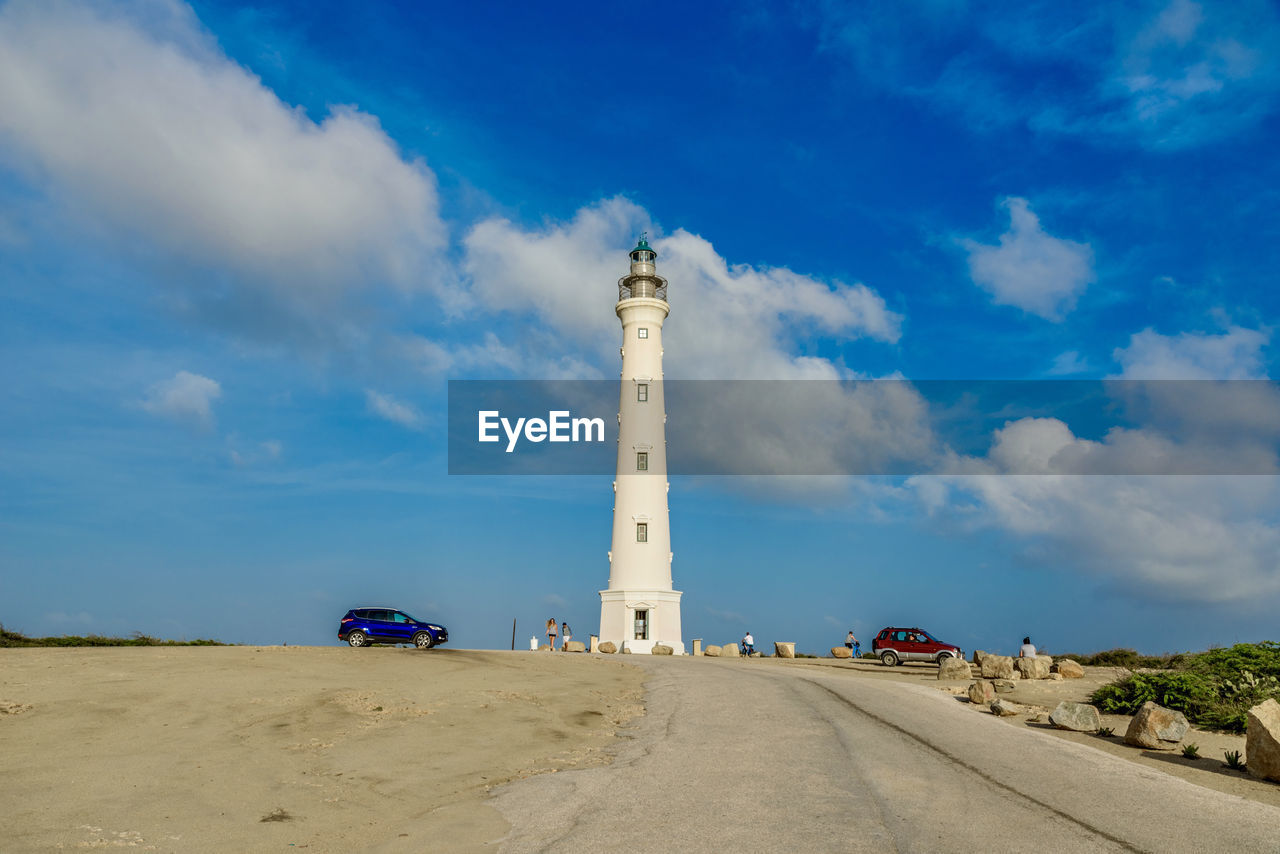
{"x": 1007, "y": 708}
{"x": 1032, "y": 668}
{"x": 841, "y": 652}
{"x": 711, "y": 649}
{"x": 730, "y": 650}
{"x": 981, "y": 693}
{"x": 661, "y": 649}
{"x": 1262, "y": 741}
{"x": 954, "y": 668}
{"x": 1069, "y": 669}
{"x": 1156, "y": 727}
{"x": 608, "y": 647}
{"x": 997, "y": 667}
{"x": 784, "y": 649}
{"x": 1077, "y": 717}
{"x": 575, "y": 646}
{"x": 978, "y": 655}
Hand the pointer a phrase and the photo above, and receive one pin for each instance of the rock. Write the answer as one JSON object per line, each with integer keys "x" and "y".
{"x": 1055, "y": 677}
{"x": 1077, "y": 717}
{"x": 841, "y": 652}
{"x": 981, "y": 693}
{"x": 1156, "y": 727}
{"x": 997, "y": 667}
{"x": 626, "y": 651}
{"x": 954, "y": 668}
{"x": 711, "y": 649}
{"x": 1262, "y": 741}
{"x": 784, "y": 649}
{"x": 1003, "y": 686}
{"x": 661, "y": 649}
{"x": 1015, "y": 675}
{"x": 1032, "y": 668}
{"x": 1006, "y": 708}
{"x": 1069, "y": 669}
{"x": 978, "y": 655}
{"x": 730, "y": 650}
{"x": 608, "y": 647}
{"x": 575, "y": 646}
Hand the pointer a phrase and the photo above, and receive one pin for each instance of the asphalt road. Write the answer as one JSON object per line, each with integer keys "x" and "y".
{"x": 748, "y": 756}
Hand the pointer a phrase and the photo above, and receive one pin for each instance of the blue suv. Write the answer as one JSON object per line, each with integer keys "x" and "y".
{"x": 365, "y": 626}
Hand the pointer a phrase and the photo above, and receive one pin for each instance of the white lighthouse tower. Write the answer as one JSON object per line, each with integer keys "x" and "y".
{"x": 639, "y": 609}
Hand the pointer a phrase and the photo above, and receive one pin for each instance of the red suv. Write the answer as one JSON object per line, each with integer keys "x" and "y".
{"x": 895, "y": 645}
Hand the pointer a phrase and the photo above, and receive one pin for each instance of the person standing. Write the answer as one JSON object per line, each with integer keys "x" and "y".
{"x": 551, "y": 634}
{"x": 1028, "y": 649}
{"x": 565, "y": 634}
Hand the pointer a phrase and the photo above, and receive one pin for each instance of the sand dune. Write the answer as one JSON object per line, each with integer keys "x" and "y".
{"x": 246, "y": 749}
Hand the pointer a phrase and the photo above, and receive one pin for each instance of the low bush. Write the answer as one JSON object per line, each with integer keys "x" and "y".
{"x": 1214, "y": 689}
{"x": 9, "y": 638}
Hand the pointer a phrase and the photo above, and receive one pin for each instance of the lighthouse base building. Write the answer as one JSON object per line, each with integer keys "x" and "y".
{"x": 639, "y": 609}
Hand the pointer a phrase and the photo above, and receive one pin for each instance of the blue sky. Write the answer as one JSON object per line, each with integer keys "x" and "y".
{"x": 243, "y": 250}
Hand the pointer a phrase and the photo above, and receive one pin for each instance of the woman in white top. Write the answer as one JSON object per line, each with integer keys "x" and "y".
{"x": 1028, "y": 649}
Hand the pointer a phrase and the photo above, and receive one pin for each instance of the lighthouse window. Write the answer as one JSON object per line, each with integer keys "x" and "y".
{"x": 643, "y": 332}
{"x": 642, "y": 532}
{"x": 642, "y": 624}
{"x": 642, "y": 461}
{"x": 642, "y": 392}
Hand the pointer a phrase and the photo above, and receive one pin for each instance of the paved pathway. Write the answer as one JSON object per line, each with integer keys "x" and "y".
{"x": 776, "y": 756}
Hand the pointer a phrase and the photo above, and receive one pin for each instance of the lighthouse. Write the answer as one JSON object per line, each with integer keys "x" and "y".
{"x": 640, "y": 608}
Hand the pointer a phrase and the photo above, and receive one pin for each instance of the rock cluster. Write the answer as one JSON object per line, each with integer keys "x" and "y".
{"x": 1156, "y": 727}
{"x": 1262, "y": 741}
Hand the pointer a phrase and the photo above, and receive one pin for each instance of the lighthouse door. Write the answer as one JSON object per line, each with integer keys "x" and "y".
{"x": 642, "y": 624}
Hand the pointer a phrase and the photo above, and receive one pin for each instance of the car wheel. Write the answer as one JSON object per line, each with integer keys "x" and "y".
{"x": 357, "y": 638}
{"x": 943, "y": 656}
{"x": 888, "y": 658}
{"x": 423, "y": 640}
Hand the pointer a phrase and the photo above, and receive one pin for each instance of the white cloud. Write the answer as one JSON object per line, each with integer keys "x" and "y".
{"x": 1069, "y": 363}
{"x": 395, "y": 411}
{"x": 184, "y": 397}
{"x": 1233, "y": 355}
{"x": 1031, "y": 269}
{"x": 148, "y": 131}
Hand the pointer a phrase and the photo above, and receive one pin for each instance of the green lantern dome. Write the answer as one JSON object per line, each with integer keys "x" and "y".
{"x": 642, "y": 245}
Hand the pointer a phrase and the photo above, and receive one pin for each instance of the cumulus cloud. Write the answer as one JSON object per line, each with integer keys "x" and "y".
{"x": 184, "y": 397}
{"x": 1235, "y": 354}
{"x": 134, "y": 119}
{"x": 565, "y": 274}
{"x": 396, "y": 411}
{"x": 1030, "y": 268}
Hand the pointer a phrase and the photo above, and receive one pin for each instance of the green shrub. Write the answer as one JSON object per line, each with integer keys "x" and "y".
{"x": 10, "y": 638}
{"x": 1191, "y": 751}
{"x": 1214, "y": 689}
{"x": 1234, "y": 759}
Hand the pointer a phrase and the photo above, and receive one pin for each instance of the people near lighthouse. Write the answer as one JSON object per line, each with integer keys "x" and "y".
{"x": 748, "y": 644}
{"x": 551, "y": 633}
{"x": 565, "y": 634}
{"x": 1028, "y": 649}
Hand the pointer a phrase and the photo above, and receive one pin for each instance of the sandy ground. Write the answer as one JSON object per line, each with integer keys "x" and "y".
{"x": 278, "y": 748}
{"x": 1209, "y": 771}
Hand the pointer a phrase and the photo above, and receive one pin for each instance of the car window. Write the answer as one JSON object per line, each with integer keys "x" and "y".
{"x": 923, "y": 637}
{"x": 900, "y": 636}
{"x": 400, "y": 618}
{"x": 383, "y": 616}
